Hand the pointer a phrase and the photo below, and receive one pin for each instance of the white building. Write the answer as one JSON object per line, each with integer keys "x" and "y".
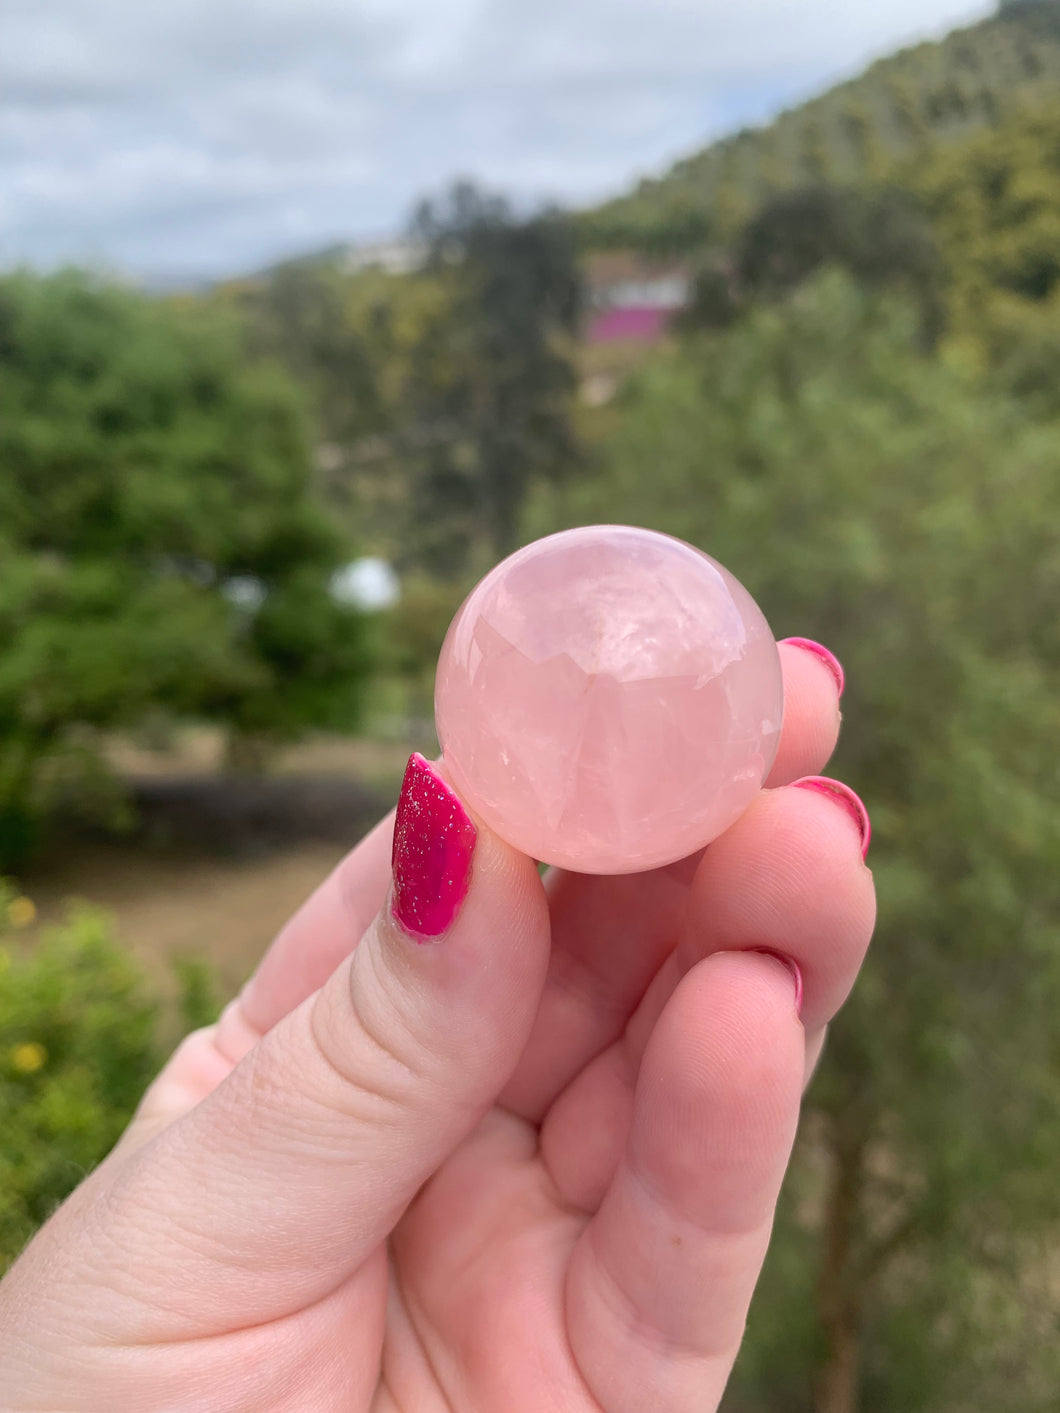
{"x": 396, "y": 257}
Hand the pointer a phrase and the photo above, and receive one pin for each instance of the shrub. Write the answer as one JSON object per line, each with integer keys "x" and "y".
{"x": 81, "y": 1036}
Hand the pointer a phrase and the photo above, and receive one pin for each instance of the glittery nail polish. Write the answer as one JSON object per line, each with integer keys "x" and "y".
{"x": 434, "y": 841}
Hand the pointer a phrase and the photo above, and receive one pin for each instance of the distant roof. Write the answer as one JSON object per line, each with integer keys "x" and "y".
{"x": 612, "y": 267}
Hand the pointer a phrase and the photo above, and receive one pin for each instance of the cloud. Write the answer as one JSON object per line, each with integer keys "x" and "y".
{"x": 210, "y": 136}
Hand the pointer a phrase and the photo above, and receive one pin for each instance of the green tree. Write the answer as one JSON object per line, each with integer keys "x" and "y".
{"x": 161, "y": 543}
{"x": 300, "y": 315}
{"x": 994, "y": 204}
{"x": 904, "y": 108}
{"x": 903, "y": 511}
{"x": 1022, "y": 345}
{"x": 492, "y": 379}
{"x": 879, "y": 236}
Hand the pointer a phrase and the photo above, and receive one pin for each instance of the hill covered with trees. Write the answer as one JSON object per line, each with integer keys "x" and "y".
{"x": 909, "y": 104}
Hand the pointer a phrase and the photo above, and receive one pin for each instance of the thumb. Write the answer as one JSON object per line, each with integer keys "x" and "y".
{"x": 286, "y": 1177}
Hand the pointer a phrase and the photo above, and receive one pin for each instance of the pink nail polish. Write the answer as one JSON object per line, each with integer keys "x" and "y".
{"x": 835, "y": 667}
{"x": 792, "y": 966}
{"x": 434, "y": 841}
{"x": 843, "y": 795}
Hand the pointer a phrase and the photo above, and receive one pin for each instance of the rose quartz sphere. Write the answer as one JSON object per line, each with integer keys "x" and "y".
{"x": 609, "y": 699}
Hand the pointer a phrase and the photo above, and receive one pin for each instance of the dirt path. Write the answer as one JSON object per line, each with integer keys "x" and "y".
{"x": 164, "y": 906}
{"x": 219, "y": 863}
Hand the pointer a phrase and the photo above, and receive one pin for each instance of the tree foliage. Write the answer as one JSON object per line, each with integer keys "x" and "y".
{"x": 491, "y": 375}
{"x": 994, "y": 204}
{"x": 903, "y": 511}
{"x": 440, "y": 396}
{"x": 909, "y": 105}
{"x": 161, "y": 542}
{"x": 880, "y": 236}
{"x": 303, "y": 315}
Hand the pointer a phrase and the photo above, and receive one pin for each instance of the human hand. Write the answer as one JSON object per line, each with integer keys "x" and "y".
{"x": 529, "y": 1165}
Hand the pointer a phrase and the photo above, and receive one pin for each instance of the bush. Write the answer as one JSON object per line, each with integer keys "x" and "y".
{"x": 81, "y": 1036}
{"x": 166, "y": 550}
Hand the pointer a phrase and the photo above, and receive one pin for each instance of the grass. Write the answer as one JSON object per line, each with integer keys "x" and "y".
{"x": 172, "y": 905}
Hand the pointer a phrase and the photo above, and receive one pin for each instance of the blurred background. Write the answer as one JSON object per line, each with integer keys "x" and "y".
{"x": 310, "y": 311}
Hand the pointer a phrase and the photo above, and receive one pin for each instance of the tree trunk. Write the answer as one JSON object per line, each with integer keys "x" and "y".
{"x": 839, "y": 1296}
{"x": 837, "y": 1386}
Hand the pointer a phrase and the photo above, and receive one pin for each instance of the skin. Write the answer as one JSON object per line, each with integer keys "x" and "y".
{"x": 532, "y": 1167}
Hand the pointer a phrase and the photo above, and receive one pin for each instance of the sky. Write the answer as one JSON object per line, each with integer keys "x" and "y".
{"x": 184, "y": 140}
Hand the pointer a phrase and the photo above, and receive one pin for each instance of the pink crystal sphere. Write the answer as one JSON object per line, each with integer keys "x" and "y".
{"x": 609, "y": 699}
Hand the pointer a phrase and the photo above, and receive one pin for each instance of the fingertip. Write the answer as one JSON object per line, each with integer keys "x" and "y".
{"x": 793, "y": 969}
{"x": 747, "y": 1006}
{"x": 846, "y": 799}
{"x": 823, "y": 655}
{"x": 811, "y": 711}
{"x": 434, "y": 847}
{"x": 445, "y": 859}
{"x": 788, "y": 877}
{"x": 501, "y": 862}
{"x": 728, "y": 1051}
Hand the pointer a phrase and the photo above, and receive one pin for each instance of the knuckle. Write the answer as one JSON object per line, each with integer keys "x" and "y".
{"x": 375, "y": 1061}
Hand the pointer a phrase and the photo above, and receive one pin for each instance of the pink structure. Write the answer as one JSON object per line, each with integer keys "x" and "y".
{"x": 633, "y": 300}
{"x": 636, "y": 325}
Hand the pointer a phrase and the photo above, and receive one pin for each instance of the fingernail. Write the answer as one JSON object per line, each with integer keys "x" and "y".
{"x": 843, "y": 795}
{"x": 835, "y": 667}
{"x": 792, "y": 966}
{"x": 434, "y": 841}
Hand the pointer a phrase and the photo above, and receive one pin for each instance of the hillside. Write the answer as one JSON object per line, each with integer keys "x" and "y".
{"x": 909, "y": 104}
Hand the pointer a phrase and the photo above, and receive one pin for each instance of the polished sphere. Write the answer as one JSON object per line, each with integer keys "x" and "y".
{"x": 609, "y": 699}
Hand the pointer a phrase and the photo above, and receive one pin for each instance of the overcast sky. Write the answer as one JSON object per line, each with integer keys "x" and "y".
{"x": 175, "y": 139}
